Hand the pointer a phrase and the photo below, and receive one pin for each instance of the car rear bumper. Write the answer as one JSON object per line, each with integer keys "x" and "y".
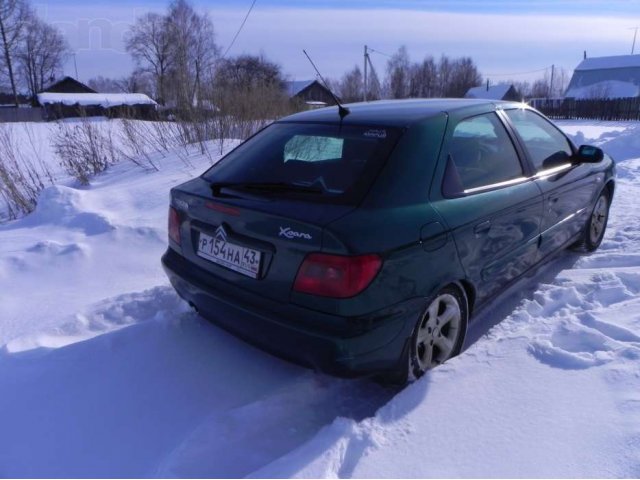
{"x": 372, "y": 344}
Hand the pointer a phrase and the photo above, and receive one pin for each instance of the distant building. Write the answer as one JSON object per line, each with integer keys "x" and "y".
{"x": 606, "y": 77}
{"x": 310, "y": 92}
{"x": 68, "y": 85}
{"x": 65, "y": 105}
{"x": 502, "y": 91}
{"x": 70, "y": 98}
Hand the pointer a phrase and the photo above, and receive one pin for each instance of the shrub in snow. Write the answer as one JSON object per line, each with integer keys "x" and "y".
{"x": 84, "y": 148}
{"x": 22, "y": 173}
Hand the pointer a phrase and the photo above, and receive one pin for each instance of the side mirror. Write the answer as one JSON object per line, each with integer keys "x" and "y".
{"x": 589, "y": 154}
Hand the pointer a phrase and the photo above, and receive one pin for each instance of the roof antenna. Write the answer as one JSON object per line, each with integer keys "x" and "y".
{"x": 342, "y": 110}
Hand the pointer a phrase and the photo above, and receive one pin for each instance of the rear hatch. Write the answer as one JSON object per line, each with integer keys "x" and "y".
{"x": 279, "y": 233}
{"x": 251, "y": 219}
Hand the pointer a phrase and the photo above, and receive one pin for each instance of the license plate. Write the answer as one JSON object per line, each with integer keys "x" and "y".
{"x": 234, "y": 257}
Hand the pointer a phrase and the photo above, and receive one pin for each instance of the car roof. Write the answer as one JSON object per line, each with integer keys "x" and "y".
{"x": 397, "y": 113}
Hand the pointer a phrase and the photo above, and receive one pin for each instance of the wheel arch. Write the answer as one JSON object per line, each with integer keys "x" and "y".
{"x": 610, "y": 187}
{"x": 468, "y": 291}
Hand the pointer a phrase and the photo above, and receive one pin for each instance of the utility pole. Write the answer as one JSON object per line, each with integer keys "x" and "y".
{"x": 635, "y": 34}
{"x": 75, "y": 64}
{"x": 366, "y": 58}
{"x": 553, "y": 71}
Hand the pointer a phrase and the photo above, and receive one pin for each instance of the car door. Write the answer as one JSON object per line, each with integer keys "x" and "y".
{"x": 492, "y": 207}
{"x": 568, "y": 189}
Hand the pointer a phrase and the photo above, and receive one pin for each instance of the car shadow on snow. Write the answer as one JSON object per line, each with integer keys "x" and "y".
{"x": 169, "y": 396}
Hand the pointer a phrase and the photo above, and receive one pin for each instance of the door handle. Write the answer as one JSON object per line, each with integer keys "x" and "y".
{"x": 481, "y": 228}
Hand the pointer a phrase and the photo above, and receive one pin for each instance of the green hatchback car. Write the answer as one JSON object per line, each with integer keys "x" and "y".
{"x": 361, "y": 241}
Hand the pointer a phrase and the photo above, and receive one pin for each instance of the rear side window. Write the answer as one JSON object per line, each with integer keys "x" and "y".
{"x": 481, "y": 155}
{"x": 546, "y": 145}
{"x": 337, "y": 163}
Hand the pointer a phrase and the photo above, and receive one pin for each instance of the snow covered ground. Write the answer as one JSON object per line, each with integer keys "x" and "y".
{"x": 105, "y": 372}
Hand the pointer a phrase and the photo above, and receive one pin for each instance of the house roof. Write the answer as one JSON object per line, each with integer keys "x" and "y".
{"x": 296, "y": 86}
{"x": 495, "y": 92}
{"x": 606, "y": 77}
{"x": 617, "y": 61}
{"x": 105, "y": 100}
{"x": 68, "y": 84}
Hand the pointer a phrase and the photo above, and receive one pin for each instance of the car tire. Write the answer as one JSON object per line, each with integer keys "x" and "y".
{"x": 596, "y": 224}
{"x": 439, "y": 333}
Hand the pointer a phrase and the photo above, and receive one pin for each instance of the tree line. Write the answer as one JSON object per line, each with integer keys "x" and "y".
{"x": 180, "y": 65}
{"x": 32, "y": 51}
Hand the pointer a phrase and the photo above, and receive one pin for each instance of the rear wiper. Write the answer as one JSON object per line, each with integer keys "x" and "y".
{"x": 216, "y": 188}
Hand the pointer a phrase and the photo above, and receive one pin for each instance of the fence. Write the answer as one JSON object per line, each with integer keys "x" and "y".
{"x": 12, "y": 114}
{"x": 593, "y": 109}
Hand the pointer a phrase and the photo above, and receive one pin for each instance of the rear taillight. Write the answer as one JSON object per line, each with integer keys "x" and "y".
{"x": 174, "y": 225}
{"x": 335, "y": 275}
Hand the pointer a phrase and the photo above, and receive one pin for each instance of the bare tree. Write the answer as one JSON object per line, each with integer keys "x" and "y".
{"x": 149, "y": 43}
{"x": 464, "y": 75}
{"x": 139, "y": 81}
{"x": 423, "y": 79}
{"x": 560, "y": 83}
{"x": 13, "y": 17}
{"x": 351, "y": 85}
{"x": 523, "y": 87}
{"x": 192, "y": 49}
{"x": 247, "y": 93}
{"x": 398, "y": 74}
{"x": 541, "y": 88}
{"x": 204, "y": 52}
{"x": 106, "y": 85}
{"x": 248, "y": 71}
{"x": 41, "y": 54}
{"x": 448, "y": 78}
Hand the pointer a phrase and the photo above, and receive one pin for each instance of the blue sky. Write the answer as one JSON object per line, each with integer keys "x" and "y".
{"x": 507, "y": 38}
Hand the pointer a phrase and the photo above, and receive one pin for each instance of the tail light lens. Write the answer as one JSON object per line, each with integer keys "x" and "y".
{"x": 336, "y": 276}
{"x": 174, "y": 225}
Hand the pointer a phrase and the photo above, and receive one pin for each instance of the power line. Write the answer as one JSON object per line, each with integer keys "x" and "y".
{"x": 517, "y": 73}
{"x": 379, "y": 52}
{"x": 240, "y": 29}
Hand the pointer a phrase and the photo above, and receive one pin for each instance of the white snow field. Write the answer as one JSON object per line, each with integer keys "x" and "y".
{"x": 105, "y": 372}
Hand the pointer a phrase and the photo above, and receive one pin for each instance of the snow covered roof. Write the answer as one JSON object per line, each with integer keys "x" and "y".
{"x": 606, "y": 77}
{"x": 295, "y": 87}
{"x": 495, "y": 92}
{"x": 67, "y": 85}
{"x": 617, "y": 61}
{"x": 105, "y": 100}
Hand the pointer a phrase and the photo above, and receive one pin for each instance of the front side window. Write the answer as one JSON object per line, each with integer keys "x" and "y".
{"x": 546, "y": 145}
{"x": 332, "y": 163}
{"x": 481, "y": 155}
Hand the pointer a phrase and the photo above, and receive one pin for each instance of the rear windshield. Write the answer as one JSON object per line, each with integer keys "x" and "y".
{"x": 337, "y": 164}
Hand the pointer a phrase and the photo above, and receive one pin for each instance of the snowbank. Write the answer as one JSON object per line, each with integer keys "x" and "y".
{"x": 104, "y": 100}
